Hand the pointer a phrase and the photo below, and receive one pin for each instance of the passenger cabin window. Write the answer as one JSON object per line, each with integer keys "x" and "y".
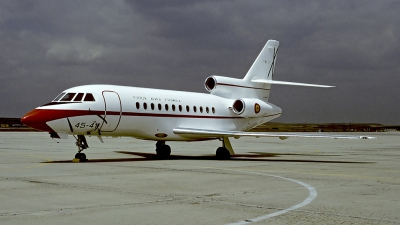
{"x": 207, "y": 110}
{"x": 194, "y": 108}
{"x": 152, "y": 106}
{"x": 187, "y": 108}
{"x": 201, "y": 109}
{"x": 59, "y": 97}
{"x": 180, "y": 108}
{"x": 89, "y": 98}
{"x": 145, "y": 105}
{"x": 68, "y": 97}
{"x": 78, "y": 97}
{"x": 159, "y": 106}
{"x": 137, "y": 105}
{"x": 166, "y": 107}
{"x": 173, "y": 107}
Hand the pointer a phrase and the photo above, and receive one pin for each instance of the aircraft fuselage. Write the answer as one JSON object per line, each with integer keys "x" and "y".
{"x": 142, "y": 113}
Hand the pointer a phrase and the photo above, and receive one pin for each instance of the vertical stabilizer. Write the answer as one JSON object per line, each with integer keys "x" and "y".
{"x": 257, "y": 82}
{"x": 263, "y": 66}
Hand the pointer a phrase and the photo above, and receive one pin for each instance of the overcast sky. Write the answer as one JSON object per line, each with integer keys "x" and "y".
{"x": 47, "y": 46}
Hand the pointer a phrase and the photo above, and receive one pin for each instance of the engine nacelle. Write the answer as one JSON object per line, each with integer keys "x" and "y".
{"x": 228, "y": 87}
{"x": 249, "y": 107}
{"x": 234, "y": 88}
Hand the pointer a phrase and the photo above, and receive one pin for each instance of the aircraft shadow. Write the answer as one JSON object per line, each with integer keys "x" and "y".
{"x": 253, "y": 156}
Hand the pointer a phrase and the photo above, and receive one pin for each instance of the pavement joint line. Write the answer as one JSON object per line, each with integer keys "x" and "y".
{"x": 390, "y": 179}
{"x": 344, "y": 215}
{"x": 61, "y": 184}
{"x": 28, "y": 167}
{"x": 65, "y": 210}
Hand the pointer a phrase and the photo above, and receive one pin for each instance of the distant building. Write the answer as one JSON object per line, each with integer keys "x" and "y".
{"x": 328, "y": 127}
{"x": 11, "y": 123}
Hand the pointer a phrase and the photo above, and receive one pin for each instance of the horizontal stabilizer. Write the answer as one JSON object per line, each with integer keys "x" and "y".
{"x": 262, "y": 81}
{"x": 222, "y": 133}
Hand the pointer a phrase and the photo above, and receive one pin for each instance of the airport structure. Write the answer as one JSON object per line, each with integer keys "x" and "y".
{"x": 325, "y": 127}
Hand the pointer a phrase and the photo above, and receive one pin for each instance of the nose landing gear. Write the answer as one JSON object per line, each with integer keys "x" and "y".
{"x": 82, "y": 144}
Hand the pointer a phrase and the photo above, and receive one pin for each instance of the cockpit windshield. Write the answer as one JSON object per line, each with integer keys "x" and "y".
{"x": 75, "y": 97}
{"x": 68, "y": 97}
{"x": 59, "y": 97}
{"x": 89, "y": 98}
{"x": 78, "y": 97}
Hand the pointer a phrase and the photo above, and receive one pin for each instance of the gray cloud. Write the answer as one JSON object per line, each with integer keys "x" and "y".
{"x": 48, "y": 46}
{"x": 74, "y": 50}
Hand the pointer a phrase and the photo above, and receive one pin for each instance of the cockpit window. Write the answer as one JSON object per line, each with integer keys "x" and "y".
{"x": 68, "y": 97}
{"x": 58, "y": 97}
{"x": 78, "y": 97}
{"x": 89, "y": 98}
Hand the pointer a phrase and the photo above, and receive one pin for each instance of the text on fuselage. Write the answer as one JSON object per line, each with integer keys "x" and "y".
{"x": 157, "y": 99}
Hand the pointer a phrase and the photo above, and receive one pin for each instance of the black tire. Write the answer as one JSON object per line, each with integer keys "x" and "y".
{"x": 77, "y": 155}
{"x": 81, "y": 157}
{"x": 163, "y": 152}
{"x": 222, "y": 153}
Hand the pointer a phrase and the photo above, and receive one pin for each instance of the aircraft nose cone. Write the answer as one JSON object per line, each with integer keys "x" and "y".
{"x": 36, "y": 119}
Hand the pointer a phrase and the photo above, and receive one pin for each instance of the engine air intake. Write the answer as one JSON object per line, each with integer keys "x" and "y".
{"x": 210, "y": 83}
{"x": 238, "y": 106}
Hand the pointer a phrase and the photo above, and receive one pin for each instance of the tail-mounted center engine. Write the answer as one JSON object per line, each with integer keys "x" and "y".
{"x": 226, "y": 87}
{"x": 210, "y": 83}
{"x": 234, "y": 88}
{"x": 248, "y": 107}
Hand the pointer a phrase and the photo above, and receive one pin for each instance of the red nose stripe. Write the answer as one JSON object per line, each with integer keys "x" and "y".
{"x": 38, "y": 118}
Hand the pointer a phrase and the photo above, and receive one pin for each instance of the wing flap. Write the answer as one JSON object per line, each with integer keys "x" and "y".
{"x": 222, "y": 133}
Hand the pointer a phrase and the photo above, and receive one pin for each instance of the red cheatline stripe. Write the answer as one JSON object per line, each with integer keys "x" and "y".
{"x": 54, "y": 114}
{"x": 232, "y": 85}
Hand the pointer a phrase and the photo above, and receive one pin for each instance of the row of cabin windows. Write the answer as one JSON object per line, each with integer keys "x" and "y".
{"x": 174, "y": 108}
{"x": 75, "y": 97}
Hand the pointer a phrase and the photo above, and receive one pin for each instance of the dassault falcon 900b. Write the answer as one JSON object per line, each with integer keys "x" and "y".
{"x": 232, "y": 107}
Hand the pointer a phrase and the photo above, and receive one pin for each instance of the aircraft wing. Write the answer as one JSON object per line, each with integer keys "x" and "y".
{"x": 223, "y": 133}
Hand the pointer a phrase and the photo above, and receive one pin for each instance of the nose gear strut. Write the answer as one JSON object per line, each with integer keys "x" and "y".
{"x": 82, "y": 144}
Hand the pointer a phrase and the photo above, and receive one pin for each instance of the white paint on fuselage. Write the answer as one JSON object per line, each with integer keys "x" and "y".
{"x": 146, "y": 123}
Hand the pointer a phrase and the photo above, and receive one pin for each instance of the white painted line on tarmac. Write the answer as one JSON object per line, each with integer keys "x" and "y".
{"x": 308, "y": 200}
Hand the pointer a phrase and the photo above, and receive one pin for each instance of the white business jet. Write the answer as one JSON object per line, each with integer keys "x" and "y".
{"x": 232, "y": 107}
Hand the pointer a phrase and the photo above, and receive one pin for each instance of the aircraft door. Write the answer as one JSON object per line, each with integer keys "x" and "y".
{"x": 112, "y": 111}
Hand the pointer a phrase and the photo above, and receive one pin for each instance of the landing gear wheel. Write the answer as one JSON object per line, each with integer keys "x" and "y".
{"x": 222, "y": 153}
{"x": 81, "y": 157}
{"x": 163, "y": 152}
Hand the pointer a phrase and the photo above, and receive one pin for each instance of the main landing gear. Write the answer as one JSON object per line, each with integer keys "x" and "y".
{"x": 163, "y": 150}
{"x": 82, "y": 144}
{"x": 222, "y": 153}
{"x": 225, "y": 152}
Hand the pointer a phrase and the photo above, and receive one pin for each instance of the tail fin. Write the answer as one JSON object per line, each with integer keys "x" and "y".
{"x": 263, "y": 66}
{"x": 262, "y": 70}
{"x": 258, "y": 80}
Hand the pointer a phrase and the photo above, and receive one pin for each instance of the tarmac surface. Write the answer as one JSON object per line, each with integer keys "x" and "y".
{"x": 270, "y": 181}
